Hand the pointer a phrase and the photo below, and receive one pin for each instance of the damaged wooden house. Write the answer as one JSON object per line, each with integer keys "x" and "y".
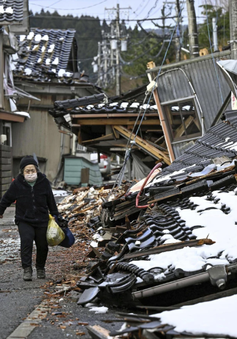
{"x": 177, "y": 255}
{"x": 171, "y": 258}
{"x": 156, "y": 122}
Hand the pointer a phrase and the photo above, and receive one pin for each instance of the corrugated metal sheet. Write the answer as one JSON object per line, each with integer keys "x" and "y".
{"x": 208, "y": 82}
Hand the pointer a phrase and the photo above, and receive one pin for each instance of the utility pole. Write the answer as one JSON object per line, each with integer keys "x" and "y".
{"x": 99, "y": 64}
{"x": 112, "y": 54}
{"x": 105, "y": 58}
{"x": 108, "y": 58}
{"x": 178, "y": 26}
{"x": 163, "y": 19}
{"x": 192, "y": 29}
{"x": 118, "y": 73}
{"x": 215, "y": 40}
{"x": 177, "y": 39}
{"x": 117, "y": 37}
{"x": 233, "y": 28}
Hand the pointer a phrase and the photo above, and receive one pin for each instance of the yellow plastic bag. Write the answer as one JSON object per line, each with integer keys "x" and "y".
{"x": 54, "y": 234}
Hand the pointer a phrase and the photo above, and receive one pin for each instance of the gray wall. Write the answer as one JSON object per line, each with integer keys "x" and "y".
{"x": 40, "y": 135}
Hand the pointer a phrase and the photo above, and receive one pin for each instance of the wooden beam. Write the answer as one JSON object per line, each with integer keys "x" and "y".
{"x": 169, "y": 247}
{"x": 163, "y": 124}
{"x": 104, "y": 137}
{"x": 145, "y": 145}
{"x": 64, "y": 132}
{"x": 116, "y": 134}
{"x": 110, "y": 115}
{"x": 79, "y": 138}
{"x": 12, "y": 117}
{"x": 186, "y": 123}
{"x": 118, "y": 121}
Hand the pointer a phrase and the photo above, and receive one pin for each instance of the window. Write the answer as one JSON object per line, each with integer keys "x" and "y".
{"x": 8, "y": 132}
{"x": 182, "y": 119}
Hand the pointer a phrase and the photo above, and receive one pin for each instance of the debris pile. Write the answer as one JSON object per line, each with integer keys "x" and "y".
{"x": 172, "y": 244}
{"x": 85, "y": 204}
{"x": 149, "y": 241}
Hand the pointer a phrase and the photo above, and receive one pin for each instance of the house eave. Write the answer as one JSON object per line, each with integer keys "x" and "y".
{"x": 217, "y": 55}
{"x": 8, "y": 116}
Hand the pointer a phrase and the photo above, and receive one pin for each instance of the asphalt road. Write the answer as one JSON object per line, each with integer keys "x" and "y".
{"x": 62, "y": 317}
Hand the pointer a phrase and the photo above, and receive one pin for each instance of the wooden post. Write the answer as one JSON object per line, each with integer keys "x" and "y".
{"x": 163, "y": 125}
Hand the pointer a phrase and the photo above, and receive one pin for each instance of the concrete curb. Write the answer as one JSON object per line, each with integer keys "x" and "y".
{"x": 31, "y": 322}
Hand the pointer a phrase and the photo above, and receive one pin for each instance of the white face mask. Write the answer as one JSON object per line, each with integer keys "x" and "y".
{"x": 31, "y": 177}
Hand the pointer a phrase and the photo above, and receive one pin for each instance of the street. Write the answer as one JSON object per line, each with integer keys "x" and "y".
{"x": 42, "y": 308}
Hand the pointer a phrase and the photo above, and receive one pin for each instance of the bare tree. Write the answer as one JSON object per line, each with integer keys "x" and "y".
{"x": 218, "y": 3}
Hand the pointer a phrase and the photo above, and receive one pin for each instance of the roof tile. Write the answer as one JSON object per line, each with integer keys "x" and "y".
{"x": 11, "y": 10}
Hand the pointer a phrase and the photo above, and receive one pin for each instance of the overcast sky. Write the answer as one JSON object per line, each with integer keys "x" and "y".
{"x": 139, "y": 9}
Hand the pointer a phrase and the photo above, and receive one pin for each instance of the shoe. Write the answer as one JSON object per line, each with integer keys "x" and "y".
{"x": 40, "y": 273}
{"x": 27, "y": 275}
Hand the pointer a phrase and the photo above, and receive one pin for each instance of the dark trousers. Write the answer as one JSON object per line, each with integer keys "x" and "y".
{"x": 28, "y": 234}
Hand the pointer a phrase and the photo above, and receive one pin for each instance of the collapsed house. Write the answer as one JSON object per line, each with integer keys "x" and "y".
{"x": 171, "y": 243}
{"x": 156, "y": 122}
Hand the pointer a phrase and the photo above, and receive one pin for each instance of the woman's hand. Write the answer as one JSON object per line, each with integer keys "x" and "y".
{"x": 1, "y": 216}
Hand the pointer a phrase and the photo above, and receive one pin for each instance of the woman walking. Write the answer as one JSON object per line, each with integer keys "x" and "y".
{"x": 34, "y": 200}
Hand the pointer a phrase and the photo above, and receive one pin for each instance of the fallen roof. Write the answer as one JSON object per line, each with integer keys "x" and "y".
{"x": 184, "y": 241}
{"x": 108, "y": 124}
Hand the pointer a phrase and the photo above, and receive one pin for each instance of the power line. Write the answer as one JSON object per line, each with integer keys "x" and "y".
{"x": 70, "y": 9}
{"x": 96, "y": 18}
{"x": 143, "y": 8}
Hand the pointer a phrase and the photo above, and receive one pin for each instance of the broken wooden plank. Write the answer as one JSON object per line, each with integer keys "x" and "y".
{"x": 104, "y": 137}
{"x": 145, "y": 145}
{"x": 169, "y": 247}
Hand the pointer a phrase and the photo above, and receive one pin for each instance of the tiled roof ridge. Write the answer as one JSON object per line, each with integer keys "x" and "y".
{"x": 52, "y": 29}
{"x": 71, "y": 103}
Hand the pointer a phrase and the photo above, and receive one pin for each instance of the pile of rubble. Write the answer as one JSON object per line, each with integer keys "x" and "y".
{"x": 136, "y": 254}
{"x": 85, "y": 203}
{"x": 136, "y": 251}
{"x": 163, "y": 243}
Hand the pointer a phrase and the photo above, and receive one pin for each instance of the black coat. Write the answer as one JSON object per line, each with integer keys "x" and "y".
{"x": 33, "y": 204}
